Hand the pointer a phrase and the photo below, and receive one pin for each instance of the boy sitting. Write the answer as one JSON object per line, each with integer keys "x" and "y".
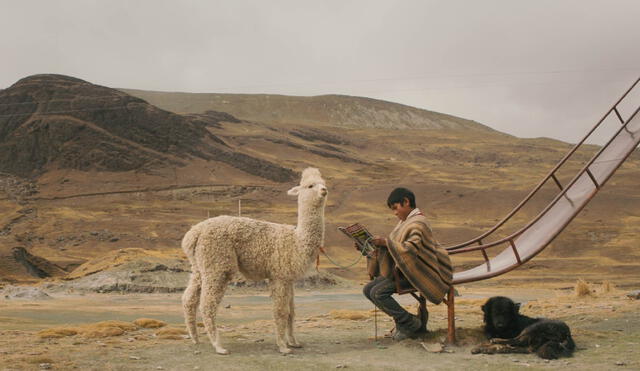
{"x": 409, "y": 257}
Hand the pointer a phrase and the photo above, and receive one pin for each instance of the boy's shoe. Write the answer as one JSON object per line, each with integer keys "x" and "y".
{"x": 400, "y": 335}
{"x": 391, "y": 333}
{"x": 411, "y": 331}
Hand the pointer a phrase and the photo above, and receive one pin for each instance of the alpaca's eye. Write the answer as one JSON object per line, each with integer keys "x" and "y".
{"x": 311, "y": 186}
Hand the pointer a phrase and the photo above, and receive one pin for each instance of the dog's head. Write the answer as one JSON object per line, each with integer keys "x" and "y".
{"x": 500, "y": 313}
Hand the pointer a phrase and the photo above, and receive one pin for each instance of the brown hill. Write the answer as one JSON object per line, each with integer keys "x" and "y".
{"x": 325, "y": 110}
{"x": 58, "y": 122}
{"x": 466, "y": 179}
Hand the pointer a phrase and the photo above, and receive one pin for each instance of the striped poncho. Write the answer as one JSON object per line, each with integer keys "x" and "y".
{"x": 413, "y": 250}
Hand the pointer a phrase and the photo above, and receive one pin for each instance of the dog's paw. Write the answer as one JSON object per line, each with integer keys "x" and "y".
{"x": 498, "y": 341}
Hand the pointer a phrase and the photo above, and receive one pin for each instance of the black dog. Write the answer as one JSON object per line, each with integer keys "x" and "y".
{"x": 502, "y": 318}
{"x": 511, "y": 332}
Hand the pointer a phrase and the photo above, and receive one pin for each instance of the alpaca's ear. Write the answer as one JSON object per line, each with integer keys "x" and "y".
{"x": 294, "y": 191}
{"x": 516, "y": 307}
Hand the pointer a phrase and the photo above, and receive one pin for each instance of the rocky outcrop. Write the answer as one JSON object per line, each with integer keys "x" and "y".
{"x": 15, "y": 188}
{"x": 19, "y": 265}
{"x": 150, "y": 271}
{"x": 55, "y": 121}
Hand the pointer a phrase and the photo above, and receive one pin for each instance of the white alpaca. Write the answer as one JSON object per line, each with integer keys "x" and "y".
{"x": 219, "y": 247}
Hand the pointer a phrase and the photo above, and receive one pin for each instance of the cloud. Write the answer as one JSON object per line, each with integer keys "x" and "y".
{"x": 528, "y": 68}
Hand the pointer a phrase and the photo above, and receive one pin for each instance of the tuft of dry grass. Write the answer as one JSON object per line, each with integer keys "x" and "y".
{"x": 126, "y": 326}
{"x": 354, "y": 315}
{"x": 57, "y": 332}
{"x": 607, "y": 287}
{"x": 149, "y": 323}
{"x": 582, "y": 289}
{"x": 106, "y": 329}
{"x": 171, "y": 333}
{"x": 91, "y": 330}
{"x": 101, "y": 332}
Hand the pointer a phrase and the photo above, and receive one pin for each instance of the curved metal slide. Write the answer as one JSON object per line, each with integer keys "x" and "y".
{"x": 528, "y": 241}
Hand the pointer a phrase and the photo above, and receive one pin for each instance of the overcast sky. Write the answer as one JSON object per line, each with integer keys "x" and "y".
{"x": 528, "y": 68}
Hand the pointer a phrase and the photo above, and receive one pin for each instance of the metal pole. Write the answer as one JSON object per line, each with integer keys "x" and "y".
{"x": 375, "y": 323}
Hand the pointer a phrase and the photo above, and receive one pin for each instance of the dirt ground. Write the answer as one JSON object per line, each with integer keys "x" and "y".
{"x": 336, "y": 327}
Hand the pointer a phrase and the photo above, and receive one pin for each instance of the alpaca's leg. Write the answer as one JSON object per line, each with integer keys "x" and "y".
{"x": 214, "y": 285}
{"x": 281, "y": 307}
{"x": 190, "y": 300}
{"x": 291, "y": 340}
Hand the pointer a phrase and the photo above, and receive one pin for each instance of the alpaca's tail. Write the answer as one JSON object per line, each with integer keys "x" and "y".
{"x": 189, "y": 242}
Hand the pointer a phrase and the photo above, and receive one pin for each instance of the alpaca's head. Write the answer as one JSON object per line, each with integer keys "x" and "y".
{"x": 312, "y": 191}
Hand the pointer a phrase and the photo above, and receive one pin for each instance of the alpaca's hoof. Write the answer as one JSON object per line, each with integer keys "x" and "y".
{"x": 285, "y": 351}
{"x": 222, "y": 351}
{"x": 295, "y": 345}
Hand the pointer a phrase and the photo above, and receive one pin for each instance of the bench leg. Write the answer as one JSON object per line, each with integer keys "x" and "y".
{"x": 451, "y": 315}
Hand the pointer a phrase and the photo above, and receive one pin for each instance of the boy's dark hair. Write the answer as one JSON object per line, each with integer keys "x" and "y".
{"x": 399, "y": 194}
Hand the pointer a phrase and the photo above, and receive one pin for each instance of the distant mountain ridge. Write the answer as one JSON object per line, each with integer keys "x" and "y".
{"x": 53, "y": 121}
{"x": 64, "y": 122}
{"x": 107, "y": 170}
{"x": 331, "y": 110}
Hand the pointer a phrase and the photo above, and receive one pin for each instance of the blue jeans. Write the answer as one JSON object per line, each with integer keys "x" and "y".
{"x": 379, "y": 292}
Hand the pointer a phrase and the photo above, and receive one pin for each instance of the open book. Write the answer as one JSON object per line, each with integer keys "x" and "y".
{"x": 361, "y": 236}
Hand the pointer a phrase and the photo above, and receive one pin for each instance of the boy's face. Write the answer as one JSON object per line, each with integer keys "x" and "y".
{"x": 401, "y": 210}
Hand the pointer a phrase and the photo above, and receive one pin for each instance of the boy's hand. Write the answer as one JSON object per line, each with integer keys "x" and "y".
{"x": 379, "y": 241}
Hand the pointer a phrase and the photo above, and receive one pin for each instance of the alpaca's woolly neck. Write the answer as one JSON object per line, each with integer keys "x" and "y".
{"x": 310, "y": 229}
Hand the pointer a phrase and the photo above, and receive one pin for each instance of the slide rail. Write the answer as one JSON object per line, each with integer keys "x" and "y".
{"x": 528, "y": 241}
{"x": 550, "y": 176}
